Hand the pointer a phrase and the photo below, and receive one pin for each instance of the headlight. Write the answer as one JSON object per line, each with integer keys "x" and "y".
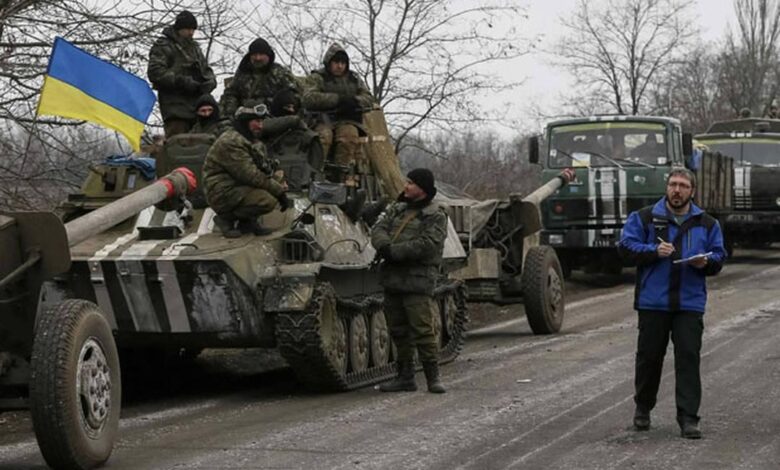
{"x": 777, "y": 201}
{"x": 555, "y": 239}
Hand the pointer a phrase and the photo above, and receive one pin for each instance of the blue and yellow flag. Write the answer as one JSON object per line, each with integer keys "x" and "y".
{"x": 81, "y": 86}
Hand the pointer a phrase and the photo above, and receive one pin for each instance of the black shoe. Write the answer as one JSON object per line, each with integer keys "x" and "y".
{"x": 227, "y": 226}
{"x": 403, "y": 382}
{"x": 251, "y": 226}
{"x": 431, "y": 370}
{"x": 641, "y": 420}
{"x": 690, "y": 430}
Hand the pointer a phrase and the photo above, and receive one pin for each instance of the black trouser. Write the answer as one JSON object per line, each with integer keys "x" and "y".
{"x": 686, "y": 330}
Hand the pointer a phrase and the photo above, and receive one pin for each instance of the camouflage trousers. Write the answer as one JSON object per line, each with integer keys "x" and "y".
{"x": 347, "y": 142}
{"x": 410, "y": 320}
{"x": 254, "y": 203}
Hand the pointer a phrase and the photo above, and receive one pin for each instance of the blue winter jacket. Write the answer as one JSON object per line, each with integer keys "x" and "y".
{"x": 661, "y": 284}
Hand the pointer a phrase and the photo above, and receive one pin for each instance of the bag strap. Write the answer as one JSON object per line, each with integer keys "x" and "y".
{"x": 408, "y": 218}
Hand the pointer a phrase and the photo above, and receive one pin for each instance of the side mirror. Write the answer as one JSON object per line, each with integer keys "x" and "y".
{"x": 687, "y": 143}
{"x": 327, "y": 193}
{"x": 533, "y": 149}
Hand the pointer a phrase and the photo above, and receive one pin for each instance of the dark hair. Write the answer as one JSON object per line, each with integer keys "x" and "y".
{"x": 685, "y": 173}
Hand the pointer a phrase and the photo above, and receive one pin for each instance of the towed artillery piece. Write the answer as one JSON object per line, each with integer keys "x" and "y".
{"x": 128, "y": 273}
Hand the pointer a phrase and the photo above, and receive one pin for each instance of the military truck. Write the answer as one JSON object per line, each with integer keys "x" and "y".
{"x": 123, "y": 270}
{"x": 754, "y": 145}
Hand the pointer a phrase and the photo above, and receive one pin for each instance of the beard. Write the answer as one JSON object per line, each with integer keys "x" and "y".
{"x": 678, "y": 202}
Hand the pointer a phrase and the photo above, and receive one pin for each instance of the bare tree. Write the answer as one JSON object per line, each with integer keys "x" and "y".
{"x": 618, "y": 47}
{"x": 40, "y": 157}
{"x": 749, "y": 63}
{"x": 427, "y": 61}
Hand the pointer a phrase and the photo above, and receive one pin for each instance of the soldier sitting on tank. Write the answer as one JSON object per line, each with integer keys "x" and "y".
{"x": 209, "y": 120}
{"x": 339, "y": 97}
{"x": 238, "y": 176}
{"x": 257, "y": 79}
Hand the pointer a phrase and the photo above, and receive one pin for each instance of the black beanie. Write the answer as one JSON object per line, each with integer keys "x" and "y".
{"x": 423, "y": 178}
{"x": 185, "y": 20}
{"x": 282, "y": 98}
{"x": 261, "y": 46}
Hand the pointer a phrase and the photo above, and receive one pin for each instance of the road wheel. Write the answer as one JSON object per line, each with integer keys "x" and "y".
{"x": 543, "y": 291}
{"x": 75, "y": 385}
{"x": 358, "y": 343}
{"x": 380, "y": 339}
{"x": 333, "y": 331}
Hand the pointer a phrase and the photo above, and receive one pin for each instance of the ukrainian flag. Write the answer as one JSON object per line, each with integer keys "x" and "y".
{"x": 81, "y": 86}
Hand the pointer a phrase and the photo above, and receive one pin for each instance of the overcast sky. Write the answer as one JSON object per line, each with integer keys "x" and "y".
{"x": 545, "y": 83}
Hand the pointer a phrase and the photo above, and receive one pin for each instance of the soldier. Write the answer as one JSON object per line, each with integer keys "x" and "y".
{"x": 286, "y": 103}
{"x": 238, "y": 177}
{"x": 180, "y": 74}
{"x": 339, "y": 95}
{"x": 209, "y": 120}
{"x": 258, "y": 78}
{"x": 409, "y": 238}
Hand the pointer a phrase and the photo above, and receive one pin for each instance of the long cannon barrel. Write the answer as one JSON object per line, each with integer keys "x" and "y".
{"x": 180, "y": 181}
{"x": 550, "y": 187}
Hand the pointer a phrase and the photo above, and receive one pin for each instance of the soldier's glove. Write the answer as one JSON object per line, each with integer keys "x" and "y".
{"x": 284, "y": 202}
{"x": 348, "y": 103}
{"x": 188, "y": 84}
{"x": 385, "y": 252}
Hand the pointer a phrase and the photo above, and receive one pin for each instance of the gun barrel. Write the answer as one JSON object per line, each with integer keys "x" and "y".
{"x": 180, "y": 181}
{"x": 548, "y": 189}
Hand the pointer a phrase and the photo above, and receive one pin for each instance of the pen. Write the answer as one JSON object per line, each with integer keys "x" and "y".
{"x": 661, "y": 240}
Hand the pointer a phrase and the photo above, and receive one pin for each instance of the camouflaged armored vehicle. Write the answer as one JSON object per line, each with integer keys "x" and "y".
{"x": 122, "y": 269}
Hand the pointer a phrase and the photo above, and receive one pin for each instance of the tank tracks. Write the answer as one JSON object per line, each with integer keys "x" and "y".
{"x": 318, "y": 362}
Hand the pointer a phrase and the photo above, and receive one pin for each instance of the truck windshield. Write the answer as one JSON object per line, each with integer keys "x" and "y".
{"x": 748, "y": 151}
{"x": 639, "y": 143}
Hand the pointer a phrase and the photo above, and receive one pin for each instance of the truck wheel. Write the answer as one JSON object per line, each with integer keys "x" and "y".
{"x": 75, "y": 386}
{"x": 543, "y": 293}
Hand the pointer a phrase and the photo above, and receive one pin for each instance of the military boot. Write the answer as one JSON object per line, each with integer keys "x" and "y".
{"x": 251, "y": 225}
{"x": 689, "y": 429}
{"x": 404, "y": 381}
{"x": 431, "y": 370}
{"x": 227, "y": 225}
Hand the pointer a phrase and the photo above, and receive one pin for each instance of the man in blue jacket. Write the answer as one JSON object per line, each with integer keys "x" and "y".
{"x": 671, "y": 294}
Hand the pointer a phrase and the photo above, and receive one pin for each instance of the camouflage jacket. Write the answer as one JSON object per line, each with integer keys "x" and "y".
{"x": 172, "y": 63}
{"x": 256, "y": 85}
{"x": 416, "y": 253}
{"x": 214, "y": 127}
{"x": 233, "y": 169}
{"x": 322, "y": 90}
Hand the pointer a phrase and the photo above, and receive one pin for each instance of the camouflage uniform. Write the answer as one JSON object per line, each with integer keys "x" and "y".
{"x": 322, "y": 93}
{"x": 409, "y": 276}
{"x": 180, "y": 74}
{"x": 214, "y": 124}
{"x": 237, "y": 177}
{"x": 256, "y": 84}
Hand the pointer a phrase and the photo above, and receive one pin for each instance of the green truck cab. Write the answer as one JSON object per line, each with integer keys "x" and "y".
{"x": 621, "y": 165}
{"x": 754, "y": 145}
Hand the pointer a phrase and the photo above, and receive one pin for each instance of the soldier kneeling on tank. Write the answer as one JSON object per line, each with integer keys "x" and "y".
{"x": 239, "y": 178}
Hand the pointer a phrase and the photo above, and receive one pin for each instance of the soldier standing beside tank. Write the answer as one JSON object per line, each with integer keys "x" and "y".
{"x": 238, "y": 177}
{"x": 258, "y": 78}
{"x": 179, "y": 72}
{"x": 209, "y": 120}
{"x": 339, "y": 96}
{"x": 409, "y": 238}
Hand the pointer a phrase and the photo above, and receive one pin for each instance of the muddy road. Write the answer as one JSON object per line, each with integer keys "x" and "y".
{"x": 514, "y": 400}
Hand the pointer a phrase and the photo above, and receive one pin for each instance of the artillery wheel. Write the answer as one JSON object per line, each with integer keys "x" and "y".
{"x": 358, "y": 343}
{"x": 75, "y": 385}
{"x": 380, "y": 339}
{"x": 543, "y": 290}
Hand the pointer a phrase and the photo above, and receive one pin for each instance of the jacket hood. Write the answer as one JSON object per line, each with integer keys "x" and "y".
{"x": 334, "y": 49}
{"x": 208, "y": 99}
{"x": 258, "y": 45}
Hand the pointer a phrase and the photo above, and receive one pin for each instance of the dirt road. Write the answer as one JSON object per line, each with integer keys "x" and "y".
{"x": 514, "y": 400}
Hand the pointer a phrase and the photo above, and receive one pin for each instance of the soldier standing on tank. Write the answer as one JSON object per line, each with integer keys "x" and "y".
{"x": 238, "y": 176}
{"x": 409, "y": 238}
{"x": 179, "y": 72}
{"x": 339, "y": 96}
{"x": 258, "y": 78}
{"x": 209, "y": 120}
